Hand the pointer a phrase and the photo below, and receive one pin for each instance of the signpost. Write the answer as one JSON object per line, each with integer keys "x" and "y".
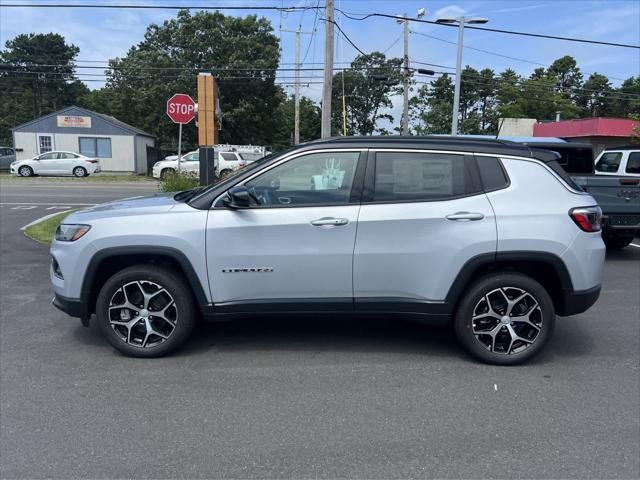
{"x": 181, "y": 109}
{"x": 208, "y": 122}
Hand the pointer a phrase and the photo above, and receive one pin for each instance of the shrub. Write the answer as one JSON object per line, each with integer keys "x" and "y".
{"x": 177, "y": 182}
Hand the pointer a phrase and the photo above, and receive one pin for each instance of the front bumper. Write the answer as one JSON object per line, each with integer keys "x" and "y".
{"x": 73, "y": 307}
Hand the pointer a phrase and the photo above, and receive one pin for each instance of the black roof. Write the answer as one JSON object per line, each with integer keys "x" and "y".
{"x": 437, "y": 142}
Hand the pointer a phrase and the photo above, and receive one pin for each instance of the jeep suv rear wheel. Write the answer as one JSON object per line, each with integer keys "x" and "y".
{"x": 505, "y": 319}
{"x": 145, "y": 311}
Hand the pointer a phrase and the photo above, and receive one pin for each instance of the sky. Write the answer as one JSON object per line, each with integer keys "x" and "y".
{"x": 107, "y": 33}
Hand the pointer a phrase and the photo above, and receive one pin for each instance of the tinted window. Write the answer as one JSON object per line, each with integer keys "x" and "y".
{"x": 317, "y": 178}
{"x": 633, "y": 163}
{"x": 491, "y": 173}
{"x": 192, "y": 157}
{"x": 555, "y": 166}
{"x": 420, "y": 176}
{"x": 49, "y": 156}
{"x": 229, "y": 157}
{"x": 609, "y": 162}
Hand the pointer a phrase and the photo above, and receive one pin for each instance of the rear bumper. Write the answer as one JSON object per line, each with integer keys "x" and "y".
{"x": 575, "y": 302}
{"x": 622, "y": 221}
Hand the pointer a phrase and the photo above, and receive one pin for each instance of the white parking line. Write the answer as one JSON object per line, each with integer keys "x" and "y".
{"x": 634, "y": 245}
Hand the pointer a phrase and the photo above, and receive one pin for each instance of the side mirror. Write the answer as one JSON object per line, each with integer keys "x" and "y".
{"x": 237, "y": 198}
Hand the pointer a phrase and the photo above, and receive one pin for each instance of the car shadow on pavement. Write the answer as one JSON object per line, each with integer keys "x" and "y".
{"x": 347, "y": 334}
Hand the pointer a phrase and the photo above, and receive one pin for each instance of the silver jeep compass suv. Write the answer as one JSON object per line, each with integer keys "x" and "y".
{"x": 489, "y": 235}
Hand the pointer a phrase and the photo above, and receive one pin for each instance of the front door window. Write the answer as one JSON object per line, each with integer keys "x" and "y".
{"x": 316, "y": 179}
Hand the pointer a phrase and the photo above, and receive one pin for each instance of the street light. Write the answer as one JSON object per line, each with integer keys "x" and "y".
{"x": 456, "y": 96}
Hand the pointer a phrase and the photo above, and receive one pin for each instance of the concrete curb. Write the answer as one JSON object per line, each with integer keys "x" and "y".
{"x": 42, "y": 219}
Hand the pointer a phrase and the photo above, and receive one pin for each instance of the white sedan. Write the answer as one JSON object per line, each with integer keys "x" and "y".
{"x": 56, "y": 163}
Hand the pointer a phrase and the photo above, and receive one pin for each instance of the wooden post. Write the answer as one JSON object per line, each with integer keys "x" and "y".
{"x": 207, "y": 128}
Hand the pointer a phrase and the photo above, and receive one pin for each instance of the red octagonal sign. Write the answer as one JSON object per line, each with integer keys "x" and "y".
{"x": 181, "y": 108}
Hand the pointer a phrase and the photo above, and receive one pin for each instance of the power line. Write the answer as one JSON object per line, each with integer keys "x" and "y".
{"x": 290, "y": 9}
{"x": 497, "y": 30}
{"x": 346, "y": 37}
{"x": 499, "y": 54}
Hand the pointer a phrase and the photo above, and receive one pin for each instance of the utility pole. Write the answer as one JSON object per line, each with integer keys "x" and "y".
{"x": 405, "y": 80}
{"x": 328, "y": 70}
{"x": 405, "y": 108}
{"x": 296, "y": 127}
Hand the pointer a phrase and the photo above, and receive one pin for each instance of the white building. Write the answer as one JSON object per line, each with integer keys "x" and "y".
{"x": 121, "y": 148}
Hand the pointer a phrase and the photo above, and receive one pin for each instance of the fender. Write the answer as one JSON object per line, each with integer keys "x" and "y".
{"x": 144, "y": 251}
{"x": 495, "y": 259}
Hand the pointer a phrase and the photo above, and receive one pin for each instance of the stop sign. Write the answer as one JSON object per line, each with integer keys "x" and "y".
{"x": 181, "y": 108}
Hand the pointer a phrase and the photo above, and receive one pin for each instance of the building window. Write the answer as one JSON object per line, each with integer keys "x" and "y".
{"x": 45, "y": 143}
{"x": 95, "y": 147}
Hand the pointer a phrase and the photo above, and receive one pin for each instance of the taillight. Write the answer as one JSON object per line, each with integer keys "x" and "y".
{"x": 91, "y": 161}
{"x": 588, "y": 219}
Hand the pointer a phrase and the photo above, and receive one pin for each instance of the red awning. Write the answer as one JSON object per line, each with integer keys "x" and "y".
{"x": 589, "y": 127}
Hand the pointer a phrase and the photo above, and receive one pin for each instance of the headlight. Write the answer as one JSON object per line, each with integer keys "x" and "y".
{"x": 71, "y": 233}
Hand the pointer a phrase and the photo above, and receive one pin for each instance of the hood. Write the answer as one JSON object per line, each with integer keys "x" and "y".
{"x": 165, "y": 163}
{"x": 138, "y": 206}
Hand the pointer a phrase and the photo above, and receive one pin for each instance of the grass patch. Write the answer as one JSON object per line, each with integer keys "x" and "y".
{"x": 177, "y": 182}
{"x": 43, "y": 232}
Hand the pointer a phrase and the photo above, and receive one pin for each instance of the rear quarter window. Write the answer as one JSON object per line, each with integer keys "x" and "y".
{"x": 492, "y": 173}
{"x": 555, "y": 166}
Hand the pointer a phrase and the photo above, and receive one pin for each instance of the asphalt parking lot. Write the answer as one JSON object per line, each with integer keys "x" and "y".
{"x": 304, "y": 397}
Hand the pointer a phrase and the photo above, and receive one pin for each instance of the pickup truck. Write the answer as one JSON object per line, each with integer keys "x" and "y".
{"x": 617, "y": 195}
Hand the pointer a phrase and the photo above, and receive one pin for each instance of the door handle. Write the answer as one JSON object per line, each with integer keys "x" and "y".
{"x": 329, "y": 222}
{"x": 465, "y": 216}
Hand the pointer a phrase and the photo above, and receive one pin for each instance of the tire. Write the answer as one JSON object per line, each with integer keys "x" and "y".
{"x": 25, "y": 171}
{"x": 617, "y": 242}
{"x": 165, "y": 172}
{"x": 498, "y": 346}
{"x": 79, "y": 172}
{"x": 157, "y": 329}
{"x": 225, "y": 172}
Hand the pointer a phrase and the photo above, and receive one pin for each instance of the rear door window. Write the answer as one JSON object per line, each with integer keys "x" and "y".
{"x": 633, "y": 163}
{"x": 409, "y": 176}
{"x": 609, "y": 162}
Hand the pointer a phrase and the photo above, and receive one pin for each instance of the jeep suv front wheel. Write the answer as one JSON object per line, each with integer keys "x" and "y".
{"x": 145, "y": 311}
{"x": 505, "y": 319}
